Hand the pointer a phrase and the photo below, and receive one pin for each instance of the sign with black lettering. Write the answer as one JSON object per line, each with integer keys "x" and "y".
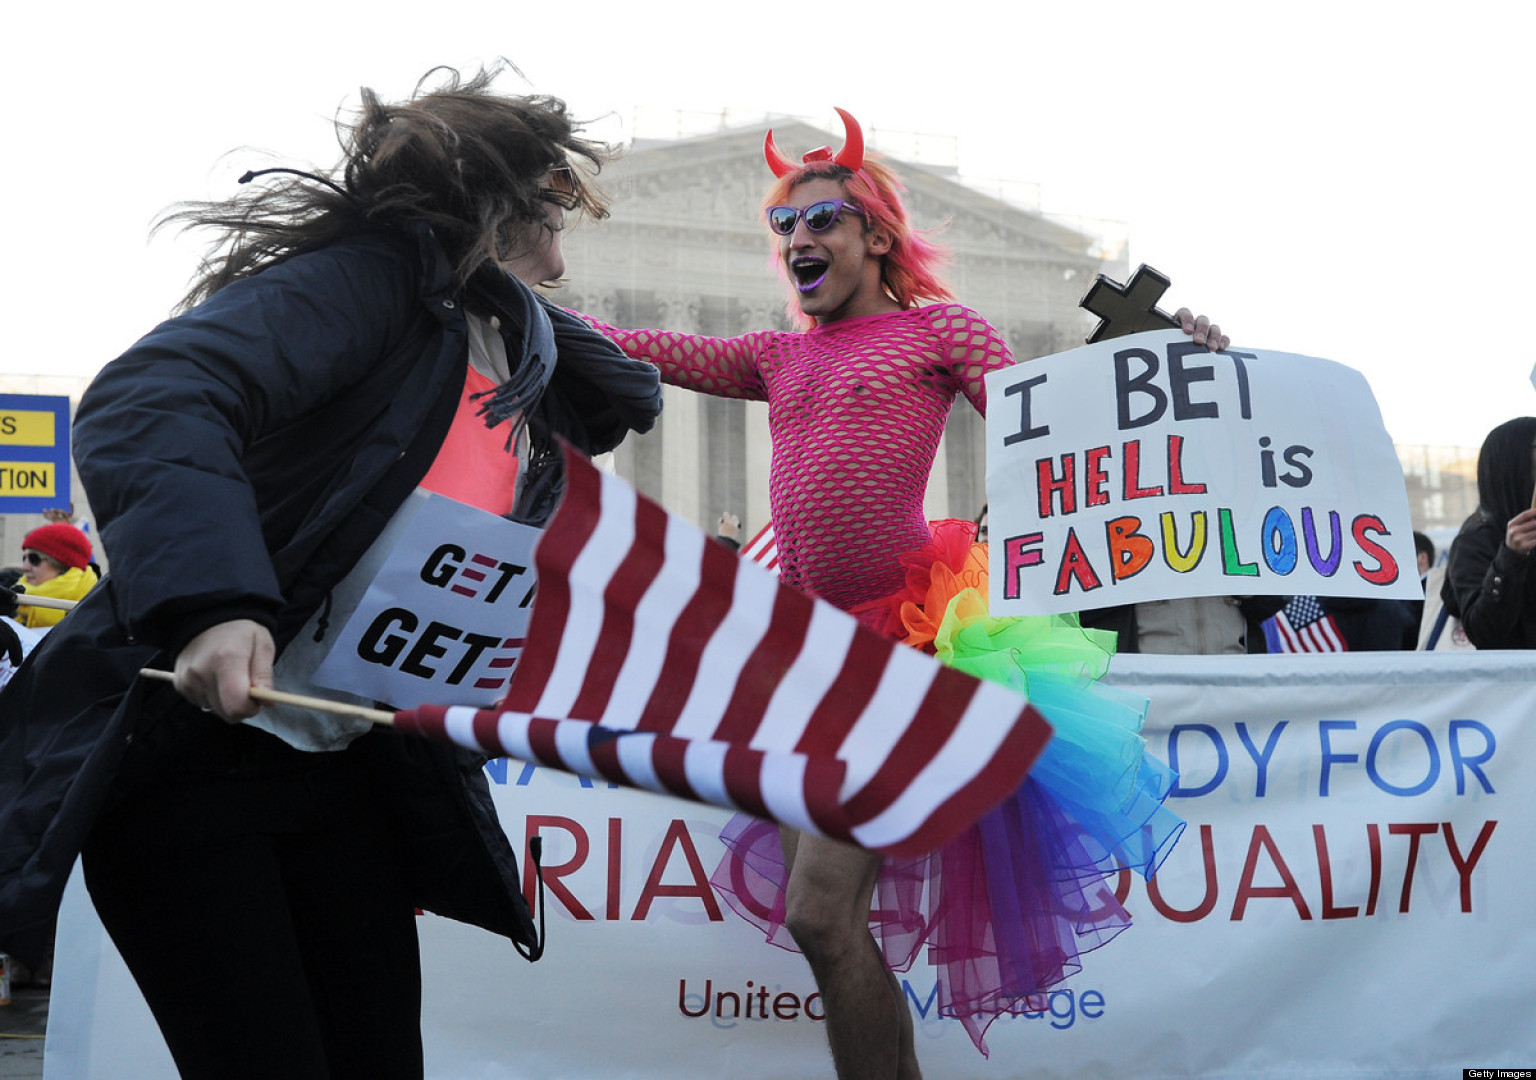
{"x": 34, "y": 453}
{"x": 444, "y": 615}
{"x": 1144, "y": 467}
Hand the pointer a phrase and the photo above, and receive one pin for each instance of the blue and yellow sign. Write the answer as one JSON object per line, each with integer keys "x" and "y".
{"x": 34, "y": 453}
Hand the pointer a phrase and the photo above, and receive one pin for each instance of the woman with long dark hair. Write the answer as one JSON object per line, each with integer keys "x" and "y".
{"x": 351, "y": 338}
{"x": 1489, "y": 583}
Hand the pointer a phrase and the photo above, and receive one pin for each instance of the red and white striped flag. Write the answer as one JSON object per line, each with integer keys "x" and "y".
{"x": 763, "y": 549}
{"x": 659, "y": 660}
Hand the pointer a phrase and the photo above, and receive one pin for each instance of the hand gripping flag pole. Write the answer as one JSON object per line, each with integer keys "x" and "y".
{"x": 658, "y": 659}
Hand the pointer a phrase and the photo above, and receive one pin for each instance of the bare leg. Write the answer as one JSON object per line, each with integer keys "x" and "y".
{"x": 869, "y": 1027}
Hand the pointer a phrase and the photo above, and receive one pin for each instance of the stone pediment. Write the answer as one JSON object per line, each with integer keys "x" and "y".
{"x": 715, "y": 183}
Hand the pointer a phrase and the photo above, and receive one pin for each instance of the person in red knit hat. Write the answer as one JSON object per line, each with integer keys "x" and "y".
{"x": 57, "y": 558}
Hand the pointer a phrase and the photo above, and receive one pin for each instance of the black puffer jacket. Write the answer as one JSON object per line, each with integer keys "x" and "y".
{"x": 240, "y": 458}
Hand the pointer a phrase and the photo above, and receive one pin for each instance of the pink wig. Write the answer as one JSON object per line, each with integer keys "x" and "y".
{"x": 910, "y": 271}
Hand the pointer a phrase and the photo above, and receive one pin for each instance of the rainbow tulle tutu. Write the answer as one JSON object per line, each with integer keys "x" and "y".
{"x": 1006, "y": 908}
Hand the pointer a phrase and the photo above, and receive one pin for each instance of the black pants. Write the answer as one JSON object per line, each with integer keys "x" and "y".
{"x": 258, "y": 899}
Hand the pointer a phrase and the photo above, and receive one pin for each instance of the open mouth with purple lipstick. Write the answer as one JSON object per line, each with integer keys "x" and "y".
{"x": 809, "y": 271}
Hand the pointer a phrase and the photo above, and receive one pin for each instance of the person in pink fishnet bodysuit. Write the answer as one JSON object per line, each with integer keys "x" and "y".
{"x": 856, "y": 409}
{"x": 856, "y": 406}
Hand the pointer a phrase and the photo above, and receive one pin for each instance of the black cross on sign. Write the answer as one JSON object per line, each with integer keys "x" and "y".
{"x": 1130, "y": 308}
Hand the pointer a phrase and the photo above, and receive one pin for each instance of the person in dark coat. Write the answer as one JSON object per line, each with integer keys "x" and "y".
{"x": 1489, "y": 584}
{"x": 1372, "y": 624}
{"x": 240, "y": 459}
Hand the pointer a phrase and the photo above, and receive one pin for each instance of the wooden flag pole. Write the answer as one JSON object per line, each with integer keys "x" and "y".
{"x": 27, "y": 600}
{"x": 304, "y": 701}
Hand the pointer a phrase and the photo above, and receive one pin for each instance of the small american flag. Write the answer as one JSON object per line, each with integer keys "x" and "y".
{"x": 763, "y": 549}
{"x": 1303, "y": 626}
{"x": 660, "y": 660}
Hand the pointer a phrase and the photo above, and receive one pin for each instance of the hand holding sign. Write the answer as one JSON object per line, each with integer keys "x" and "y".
{"x": 1132, "y": 308}
{"x": 1520, "y": 533}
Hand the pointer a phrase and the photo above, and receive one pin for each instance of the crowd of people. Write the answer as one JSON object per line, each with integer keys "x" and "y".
{"x": 354, "y": 336}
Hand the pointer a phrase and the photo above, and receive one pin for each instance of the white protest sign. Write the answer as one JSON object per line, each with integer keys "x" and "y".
{"x": 1145, "y": 467}
{"x": 445, "y": 613}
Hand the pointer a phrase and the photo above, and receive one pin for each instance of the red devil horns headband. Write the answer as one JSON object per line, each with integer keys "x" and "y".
{"x": 850, "y": 157}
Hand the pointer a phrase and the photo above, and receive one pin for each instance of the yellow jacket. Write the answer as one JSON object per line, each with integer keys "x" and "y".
{"x": 72, "y": 584}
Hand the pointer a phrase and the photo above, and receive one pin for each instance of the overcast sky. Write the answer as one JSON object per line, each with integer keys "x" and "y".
{"x": 1343, "y": 179}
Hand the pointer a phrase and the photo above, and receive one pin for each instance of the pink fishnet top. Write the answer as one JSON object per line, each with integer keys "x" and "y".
{"x": 855, "y": 410}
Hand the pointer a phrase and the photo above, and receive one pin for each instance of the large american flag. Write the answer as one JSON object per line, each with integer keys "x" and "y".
{"x": 1303, "y": 626}
{"x": 660, "y": 660}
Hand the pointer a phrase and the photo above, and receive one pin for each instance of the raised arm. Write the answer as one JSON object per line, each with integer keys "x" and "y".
{"x": 973, "y": 348}
{"x": 722, "y": 367}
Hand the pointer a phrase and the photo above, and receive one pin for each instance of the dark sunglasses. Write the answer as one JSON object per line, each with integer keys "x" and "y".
{"x": 819, "y": 216}
{"x": 32, "y": 558}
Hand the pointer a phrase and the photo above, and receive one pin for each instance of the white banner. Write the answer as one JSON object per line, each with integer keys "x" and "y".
{"x": 1145, "y": 467}
{"x": 1351, "y": 899}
